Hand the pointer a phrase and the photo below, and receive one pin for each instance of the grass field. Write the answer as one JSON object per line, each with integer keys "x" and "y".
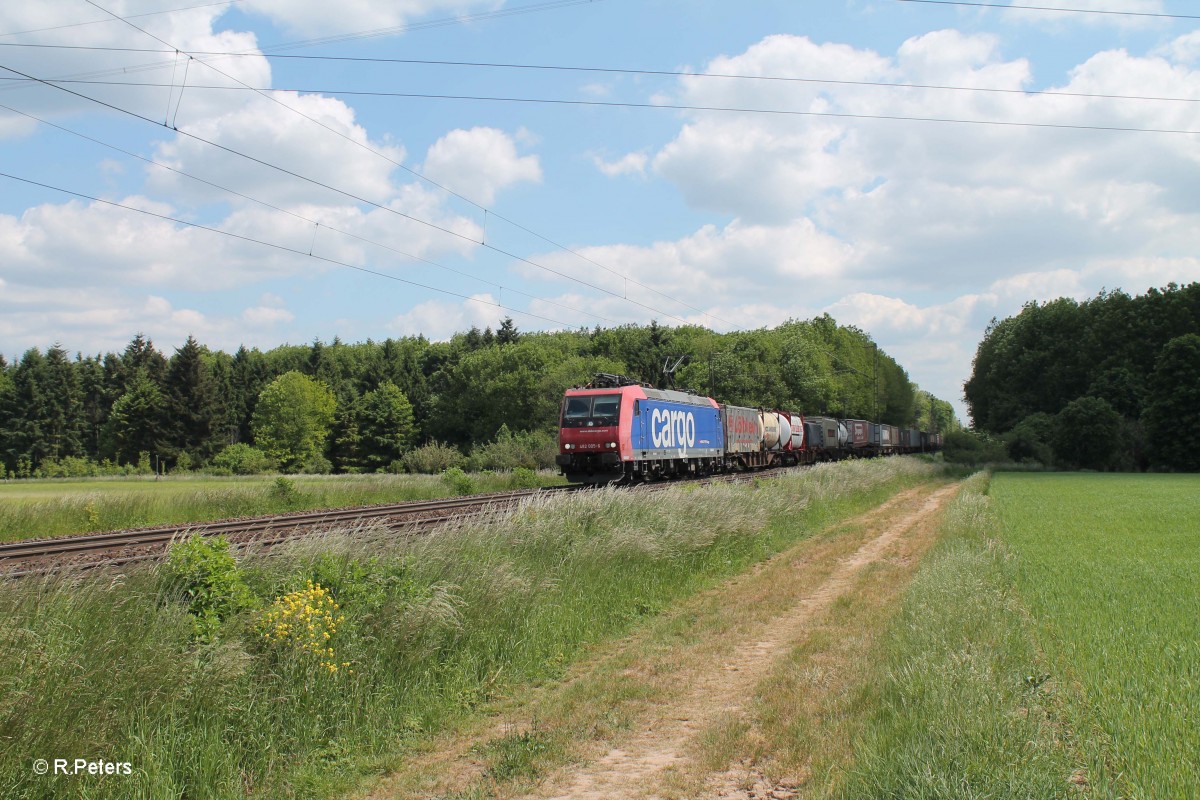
{"x": 1049, "y": 647}
{"x": 31, "y": 509}
{"x": 428, "y": 630}
{"x": 1109, "y": 568}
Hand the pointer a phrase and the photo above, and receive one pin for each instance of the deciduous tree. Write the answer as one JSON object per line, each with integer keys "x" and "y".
{"x": 1173, "y": 414}
{"x": 292, "y": 419}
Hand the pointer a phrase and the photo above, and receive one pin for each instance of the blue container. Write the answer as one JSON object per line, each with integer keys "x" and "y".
{"x": 675, "y": 425}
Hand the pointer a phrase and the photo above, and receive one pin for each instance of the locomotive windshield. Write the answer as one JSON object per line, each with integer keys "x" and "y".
{"x": 591, "y": 410}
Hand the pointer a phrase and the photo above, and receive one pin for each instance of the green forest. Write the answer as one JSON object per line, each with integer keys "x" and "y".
{"x": 337, "y": 407}
{"x": 1108, "y": 383}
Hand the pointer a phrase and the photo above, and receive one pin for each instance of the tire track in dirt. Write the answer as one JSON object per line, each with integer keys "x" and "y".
{"x": 629, "y": 771}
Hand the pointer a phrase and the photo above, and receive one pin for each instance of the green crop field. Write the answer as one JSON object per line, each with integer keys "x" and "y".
{"x": 1109, "y": 569}
{"x": 1049, "y": 647}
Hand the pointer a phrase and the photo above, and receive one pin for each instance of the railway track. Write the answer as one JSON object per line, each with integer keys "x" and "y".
{"x": 115, "y": 548}
{"x": 37, "y": 556}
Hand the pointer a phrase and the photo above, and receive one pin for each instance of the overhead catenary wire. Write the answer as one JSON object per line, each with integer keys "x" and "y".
{"x": 785, "y": 79}
{"x": 460, "y": 19}
{"x": 303, "y": 218}
{"x": 557, "y": 3}
{"x": 280, "y": 247}
{"x": 351, "y": 196}
{"x": 270, "y": 96}
{"x": 660, "y": 106}
{"x": 1095, "y": 127}
{"x": 1015, "y": 7}
{"x": 131, "y": 16}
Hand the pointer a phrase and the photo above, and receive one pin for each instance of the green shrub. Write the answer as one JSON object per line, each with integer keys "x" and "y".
{"x": 973, "y": 447}
{"x": 317, "y": 465}
{"x": 1087, "y": 434}
{"x": 432, "y": 458}
{"x": 68, "y": 467}
{"x": 242, "y": 459}
{"x": 1029, "y": 440}
{"x": 529, "y": 449}
{"x": 285, "y": 491}
{"x": 523, "y": 478}
{"x": 201, "y": 571}
{"x": 459, "y": 481}
{"x": 366, "y": 584}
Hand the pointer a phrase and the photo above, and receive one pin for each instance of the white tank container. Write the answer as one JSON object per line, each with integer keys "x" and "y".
{"x": 785, "y": 430}
{"x": 797, "y": 431}
{"x": 770, "y": 427}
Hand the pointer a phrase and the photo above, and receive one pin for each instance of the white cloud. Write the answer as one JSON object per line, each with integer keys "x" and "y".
{"x": 738, "y": 263}
{"x": 267, "y": 315}
{"x": 305, "y": 135}
{"x": 479, "y": 162}
{"x": 187, "y": 31}
{"x": 438, "y": 320}
{"x": 929, "y": 202}
{"x": 1066, "y": 16}
{"x": 317, "y": 17}
{"x": 99, "y": 319}
{"x": 1182, "y": 50}
{"x": 628, "y": 164}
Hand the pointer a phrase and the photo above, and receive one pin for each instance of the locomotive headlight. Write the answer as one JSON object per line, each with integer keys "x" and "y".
{"x": 612, "y": 444}
{"x": 568, "y": 447}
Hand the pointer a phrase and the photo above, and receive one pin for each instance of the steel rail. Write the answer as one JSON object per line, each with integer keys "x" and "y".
{"x": 87, "y": 551}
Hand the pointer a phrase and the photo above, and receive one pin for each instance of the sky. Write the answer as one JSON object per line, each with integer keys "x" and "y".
{"x": 263, "y": 172}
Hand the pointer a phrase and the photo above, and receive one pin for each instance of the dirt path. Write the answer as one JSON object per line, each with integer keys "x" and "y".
{"x": 630, "y": 719}
{"x": 628, "y": 771}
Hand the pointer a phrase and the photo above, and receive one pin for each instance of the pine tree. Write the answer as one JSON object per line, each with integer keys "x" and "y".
{"x": 507, "y": 333}
{"x": 63, "y": 405}
{"x": 43, "y": 413}
{"x": 250, "y": 376}
{"x": 192, "y": 413}
{"x": 135, "y": 424}
{"x": 385, "y": 426}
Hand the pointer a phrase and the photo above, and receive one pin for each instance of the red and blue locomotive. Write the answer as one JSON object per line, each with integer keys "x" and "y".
{"x": 620, "y": 430}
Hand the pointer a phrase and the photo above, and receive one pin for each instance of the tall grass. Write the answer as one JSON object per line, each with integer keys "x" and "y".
{"x": 111, "y": 668}
{"x": 1109, "y": 567}
{"x": 958, "y": 705}
{"x": 35, "y": 509}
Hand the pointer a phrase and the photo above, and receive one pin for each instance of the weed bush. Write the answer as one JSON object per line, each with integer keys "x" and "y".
{"x": 527, "y": 449}
{"x": 242, "y": 459}
{"x": 431, "y": 459}
{"x": 523, "y": 478}
{"x": 973, "y": 448}
{"x": 203, "y": 572}
{"x": 284, "y": 490}
{"x": 459, "y": 482}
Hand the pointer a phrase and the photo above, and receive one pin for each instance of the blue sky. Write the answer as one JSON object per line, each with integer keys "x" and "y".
{"x": 917, "y": 231}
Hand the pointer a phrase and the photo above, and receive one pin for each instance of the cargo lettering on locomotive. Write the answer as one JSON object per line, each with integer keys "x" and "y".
{"x": 670, "y": 428}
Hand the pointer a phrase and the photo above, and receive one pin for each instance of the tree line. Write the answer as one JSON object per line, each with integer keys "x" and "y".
{"x": 361, "y": 407}
{"x": 1108, "y": 383}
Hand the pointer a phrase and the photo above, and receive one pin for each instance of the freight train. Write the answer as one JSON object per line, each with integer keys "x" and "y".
{"x": 616, "y": 429}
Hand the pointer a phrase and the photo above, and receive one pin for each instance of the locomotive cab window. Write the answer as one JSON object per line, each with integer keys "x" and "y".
{"x": 590, "y": 411}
